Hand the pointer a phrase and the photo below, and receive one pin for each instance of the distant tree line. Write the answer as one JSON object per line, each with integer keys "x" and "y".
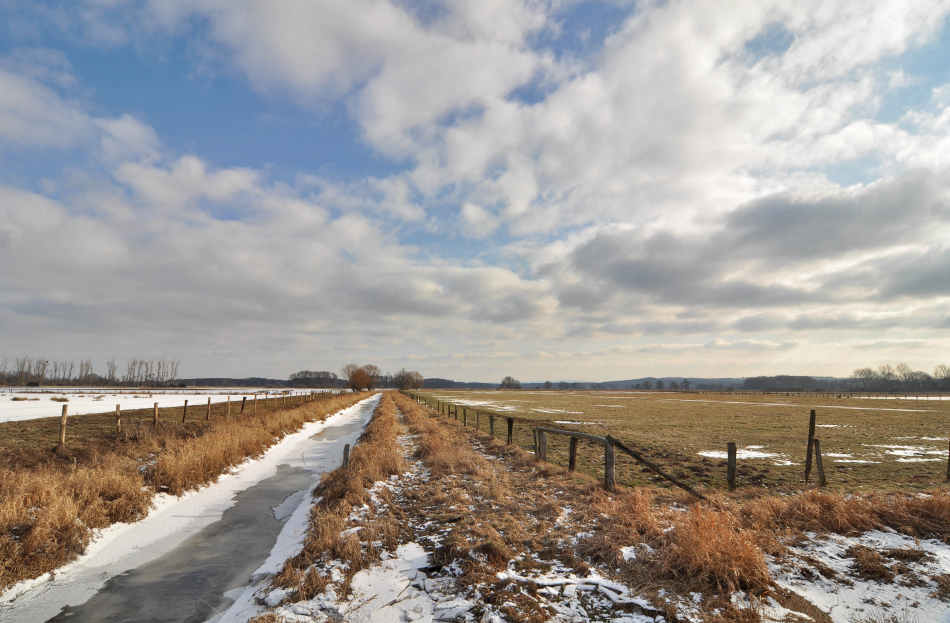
{"x": 308, "y": 378}
{"x": 37, "y": 371}
{"x": 902, "y": 378}
{"x": 369, "y": 376}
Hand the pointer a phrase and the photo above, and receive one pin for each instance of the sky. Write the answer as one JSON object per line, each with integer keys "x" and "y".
{"x": 549, "y": 189}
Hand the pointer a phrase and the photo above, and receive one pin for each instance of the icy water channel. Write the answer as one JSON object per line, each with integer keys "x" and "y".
{"x": 196, "y": 571}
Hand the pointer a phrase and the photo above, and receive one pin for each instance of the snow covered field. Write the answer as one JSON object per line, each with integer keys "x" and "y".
{"x": 122, "y": 547}
{"x": 40, "y": 402}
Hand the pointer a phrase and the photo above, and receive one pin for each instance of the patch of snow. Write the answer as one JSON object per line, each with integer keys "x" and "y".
{"x": 846, "y": 597}
{"x": 744, "y": 453}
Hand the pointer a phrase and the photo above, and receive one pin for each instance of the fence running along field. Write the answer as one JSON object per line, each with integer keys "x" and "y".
{"x": 539, "y": 444}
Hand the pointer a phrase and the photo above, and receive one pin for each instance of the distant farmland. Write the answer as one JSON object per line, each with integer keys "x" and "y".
{"x": 867, "y": 444}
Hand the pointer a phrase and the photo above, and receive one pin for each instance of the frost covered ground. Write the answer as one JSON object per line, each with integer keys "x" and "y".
{"x": 874, "y": 577}
{"x": 122, "y": 546}
{"x": 31, "y": 403}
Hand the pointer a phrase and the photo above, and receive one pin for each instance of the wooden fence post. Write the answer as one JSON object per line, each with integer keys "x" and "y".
{"x": 542, "y": 445}
{"x": 731, "y": 465}
{"x": 118, "y": 419}
{"x": 255, "y": 403}
{"x": 62, "y": 431}
{"x": 184, "y": 411}
{"x": 464, "y": 415}
{"x": 477, "y": 419}
{"x": 511, "y": 425}
{"x": 811, "y": 439}
{"x": 229, "y": 405}
{"x": 346, "y": 456}
{"x": 155, "y": 414}
{"x": 208, "y": 415}
{"x": 243, "y": 402}
{"x": 610, "y": 484}
{"x": 821, "y": 468}
{"x": 572, "y": 457}
{"x": 491, "y": 429}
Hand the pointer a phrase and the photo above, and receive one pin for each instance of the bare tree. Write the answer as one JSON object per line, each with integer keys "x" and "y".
{"x": 374, "y": 375}
{"x": 39, "y": 370}
{"x": 85, "y": 371}
{"x": 111, "y": 371}
{"x": 942, "y": 376}
{"x": 173, "y": 369}
{"x": 510, "y": 382}
{"x": 865, "y": 376}
{"x": 357, "y": 378}
{"x": 23, "y": 367}
{"x": 686, "y": 384}
{"x": 887, "y": 376}
{"x": 905, "y": 373}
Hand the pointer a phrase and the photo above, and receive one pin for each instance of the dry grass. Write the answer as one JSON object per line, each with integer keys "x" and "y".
{"x": 673, "y": 427}
{"x": 924, "y": 516}
{"x": 375, "y": 457}
{"x": 707, "y": 549}
{"x": 51, "y": 502}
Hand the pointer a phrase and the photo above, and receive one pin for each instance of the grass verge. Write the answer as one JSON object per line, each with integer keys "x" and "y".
{"x": 375, "y": 457}
{"x": 51, "y": 501}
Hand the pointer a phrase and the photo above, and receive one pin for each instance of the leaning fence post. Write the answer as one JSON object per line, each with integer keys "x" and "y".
{"x": 118, "y": 419}
{"x": 184, "y": 411}
{"x": 243, "y": 402}
{"x": 811, "y": 438}
{"x": 155, "y": 414}
{"x": 731, "y": 465}
{"x": 821, "y": 468}
{"x": 511, "y": 425}
{"x": 572, "y": 456}
{"x": 62, "y": 432}
{"x": 610, "y": 483}
{"x": 346, "y": 456}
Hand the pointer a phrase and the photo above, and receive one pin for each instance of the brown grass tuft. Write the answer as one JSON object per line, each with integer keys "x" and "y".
{"x": 375, "y": 457}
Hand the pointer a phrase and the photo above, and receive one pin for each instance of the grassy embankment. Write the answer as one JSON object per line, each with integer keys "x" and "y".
{"x": 375, "y": 457}
{"x": 481, "y": 516}
{"x": 673, "y": 428}
{"x": 51, "y": 498}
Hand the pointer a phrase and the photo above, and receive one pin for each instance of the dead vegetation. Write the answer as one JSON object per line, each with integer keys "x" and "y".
{"x": 375, "y": 457}
{"x": 486, "y": 508}
{"x": 51, "y": 501}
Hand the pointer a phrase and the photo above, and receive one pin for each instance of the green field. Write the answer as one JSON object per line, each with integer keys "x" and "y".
{"x": 867, "y": 444}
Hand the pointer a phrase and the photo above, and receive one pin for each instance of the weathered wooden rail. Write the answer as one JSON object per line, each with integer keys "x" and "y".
{"x": 541, "y": 443}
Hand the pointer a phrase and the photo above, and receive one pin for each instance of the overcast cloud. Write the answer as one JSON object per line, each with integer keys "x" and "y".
{"x": 476, "y": 189}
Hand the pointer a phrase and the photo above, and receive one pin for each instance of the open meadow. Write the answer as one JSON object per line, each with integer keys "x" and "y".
{"x": 867, "y": 444}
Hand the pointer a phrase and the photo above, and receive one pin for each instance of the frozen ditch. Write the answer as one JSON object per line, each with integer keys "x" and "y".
{"x": 193, "y": 556}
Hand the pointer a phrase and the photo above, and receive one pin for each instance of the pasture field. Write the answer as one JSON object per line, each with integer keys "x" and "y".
{"x": 867, "y": 445}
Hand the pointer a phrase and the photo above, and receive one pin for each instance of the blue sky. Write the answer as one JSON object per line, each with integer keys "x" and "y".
{"x": 553, "y": 190}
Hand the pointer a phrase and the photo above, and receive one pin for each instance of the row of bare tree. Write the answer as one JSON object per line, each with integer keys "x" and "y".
{"x": 369, "y": 376}
{"x": 42, "y": 371}
{"x": 902, "y": 377}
